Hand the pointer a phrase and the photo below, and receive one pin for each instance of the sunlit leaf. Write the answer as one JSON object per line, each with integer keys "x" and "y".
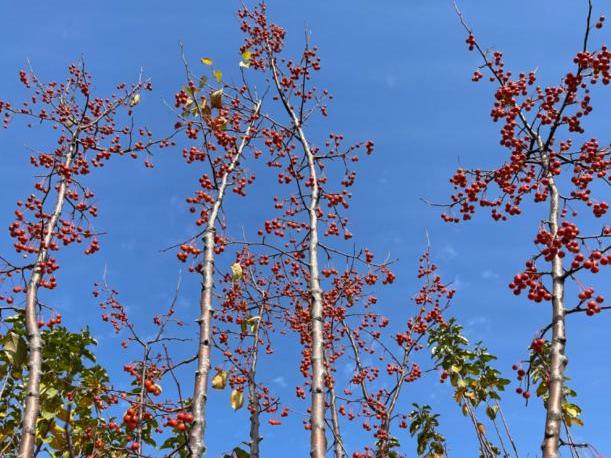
{"x": 491, "y": 411}
{"x": 16, "y": 350}
{"x": 206, "y": 61}
{"x": 135, "y": 100}
{"x": 218, "y": 75}
{"x": 216, "y": 99}
{"x": 219, "y": 381}
{"x": 236, "y": 399}
{"x": 240, "y": 453}
{"x": 253, "y": 322}
{"x": 236, "y": 271}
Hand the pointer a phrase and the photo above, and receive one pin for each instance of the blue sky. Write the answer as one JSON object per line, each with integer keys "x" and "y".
{"x": 400, "y": 74}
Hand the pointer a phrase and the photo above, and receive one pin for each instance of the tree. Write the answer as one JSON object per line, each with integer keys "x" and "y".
{"x": 298, "y": 275}
{"x": 552, "y": 160}
{"x": 58, "y": 212}
{"x": 303, "y": 219}
{"x": 73, "y": 389}
{"x": 225, "y": 120}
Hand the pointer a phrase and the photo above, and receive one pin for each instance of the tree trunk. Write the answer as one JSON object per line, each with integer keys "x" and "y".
{"x": 318, "y": 442}
{"x": 255, "y": 434}
{"x": 32, "y": 402}
{"x": 196, "y": 443}
{"x": 553, "y": 420}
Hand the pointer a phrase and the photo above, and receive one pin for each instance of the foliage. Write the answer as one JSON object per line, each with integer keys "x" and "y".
{"x": 74, "y": 389}
{"x": 424, "y": 424}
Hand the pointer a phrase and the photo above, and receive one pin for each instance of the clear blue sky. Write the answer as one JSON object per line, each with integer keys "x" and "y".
{"x": 400, "y": 73}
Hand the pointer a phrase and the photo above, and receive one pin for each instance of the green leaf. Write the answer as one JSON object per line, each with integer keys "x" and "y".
{"x": 48, "y": 414}
{"x": 16, "y": 350}
{"x": 240, "y": 453}
{"x": 491, "y": 411}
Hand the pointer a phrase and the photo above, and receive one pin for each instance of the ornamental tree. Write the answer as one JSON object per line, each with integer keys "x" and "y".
{"x": 375, "y": 394}
{"x": 222, "y": 123}
{"x": 249, "y": 316}
{"x": 552, "y": 161}
{"x": 88, "y": 130}
{"x": 313, "y": 211}
{"x": 149, "y": 418}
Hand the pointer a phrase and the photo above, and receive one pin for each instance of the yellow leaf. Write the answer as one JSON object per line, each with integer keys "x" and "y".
{"x": 246, "y": 55}
{"x": 205, "y": 108}
{"x": 222, "y": 122}
{"x": 206, "y": 61}
{"x": 236, "y": 271}
{"x": 236, "y": 399}
{"x": 571, "y": 410}
{"x": 455, "y": 369}
{"x": 219, "y": 381}
{"x": 135, "y": 100}
{"x": 253, "y": 322}
{"x": 218, "y": 75}
{"x": 577, "y": 421}
{"x": 216, "y": 99}
{"x": 458, "y": 394}
{"x": 58, "y": 440}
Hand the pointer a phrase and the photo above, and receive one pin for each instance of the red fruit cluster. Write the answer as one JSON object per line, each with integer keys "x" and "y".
{"x": 537, "y": 345}
{"x": 594, "y": 304}
{"x": 151, "y": 387}
{"x": 530, "y": 279}
{"x": 180, "y": 422}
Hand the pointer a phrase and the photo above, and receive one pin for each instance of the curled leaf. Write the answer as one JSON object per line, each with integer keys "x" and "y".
{"x": 216, "y": 99}
{"x": 219, "y": 381}
{"x": 135, "y": 100}
{"x": 253, "y": 322}
{"x": 491, "y": 411}
{"x": 236, "y": 399}
{"x": 16, "y": 349}
{"x": 249, "y": 325}
{"x": 236, "y": 271}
